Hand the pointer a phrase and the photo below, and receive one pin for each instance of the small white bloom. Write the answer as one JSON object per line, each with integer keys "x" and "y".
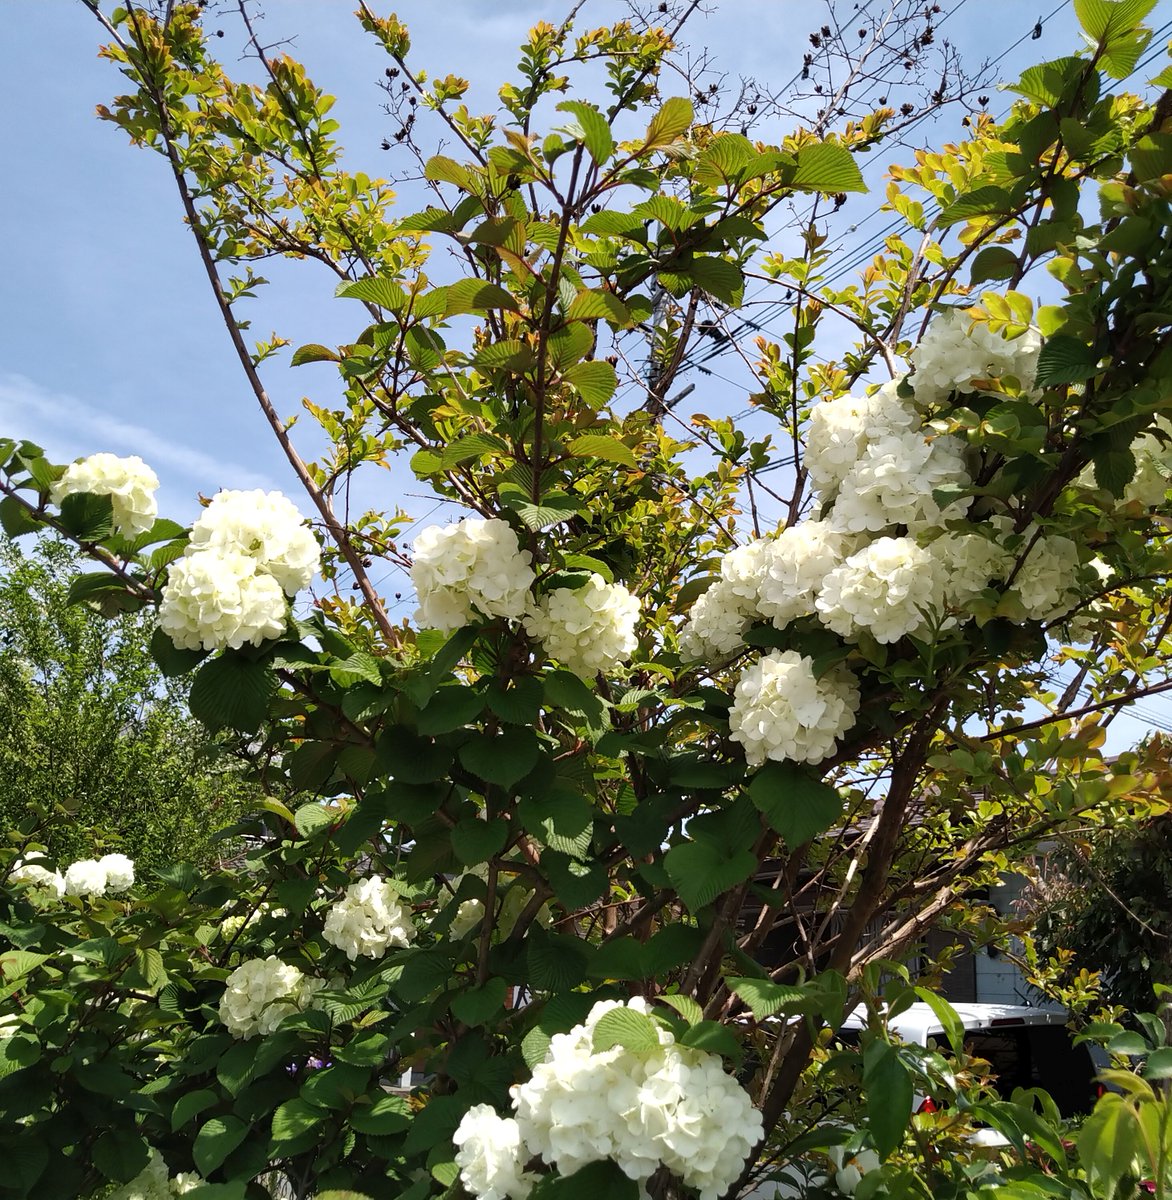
{"x": 972, "y": 560}
{"x": 475, "y": 568}
{"x": 798, "y": 559}
{"x": 85, "y": 878}
{"x": 369, "y": 919}
{"x": 119, "y": 872}
{"x": 129, "y": 482}
{"x": 261, "y": 993}
{"x": 184, "y": 1182}
{"x": 264, "y": 526}
{"x": 849, "y": 1169}
{"x": 1046, "y": 584}
{"x": 716, "y": 625}
{"x": 780, "y": 711}
{"x": 840, "y": 431}
{"x": 214, "y": 600}
{"x": 491, "y": 1156}
{"x": 886, "y": 588}
{"x": 468, "y": 917}
{"x": 893, "y": 481}
{"x": 587, "y": 629}
{"x": 32, "y": 872}
{"x": 957, "y": 352}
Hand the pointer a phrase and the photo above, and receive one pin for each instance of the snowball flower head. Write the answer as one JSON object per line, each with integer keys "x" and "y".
{"x": 1153, "y": 466}
{"x": 716, "y": 625}
{"x": 841, "y": 430}
{"x": 957, "y": 351}
{"x": 264, "y": 526}
{"x": 261, "y": 993}
{"x": 780, "y": 711}
{"x": 85, "y": 878}
{"x": 129, "y": 482}
{"x": 1047, "y": 583}
{"x": 663, "y": 1106}
{"x": 119, "y": 872}
{"x": 587, "y": 629}
{"x": 215, "y": 600}
{"x": 152, "y": 1183}
{"x": 468, "y": 917}
{"x": 32, "y": 872}
{"x": 970, "y": 561}
{"x": 475, "y": 568}
{"x": 798, "y": 559}
{"x": 368, "y": 920}
{"x": 893, "y": 481}
{"x": 491, "y": 1156}
{"x": 885, "y": 588}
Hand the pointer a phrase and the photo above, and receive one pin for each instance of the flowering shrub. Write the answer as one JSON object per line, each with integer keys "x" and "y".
{"x": 128, "y": 482}
{"x": 693, "y": 736}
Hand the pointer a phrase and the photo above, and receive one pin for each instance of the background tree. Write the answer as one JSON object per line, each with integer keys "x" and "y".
{"x": 94, "y": 733}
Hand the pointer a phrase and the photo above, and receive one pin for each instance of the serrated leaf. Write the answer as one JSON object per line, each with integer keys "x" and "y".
{"x": 311, "y": 353}
{"x": 15, "y": 518}
{"x": 766, "y": 998}
{"x": 503, "y": 759}
{"x": 88, "y": 517}
{"x": 84, "y": 587}
{"x": 474, "y": 445}
{"x": 387, "y": 1115}
{"x": 672, "y": 121}
{"x": 474, "y": 1006}
{"x": 552, "y": 509}
{"x": 120, "y": 1155}
{"x": 700, "y": 872}
{"x": 982, "y": 201}
{"x": 596, "y": 445}
{"x": 1065, "y": 359}
{"x": 475, "y": 841}
{"x": 451, "y": 706}
{"x": 233, "y": 692}
{"x": 1104, "y": 20}
{"x": 442, "y": 169}
{"x": 796, "y": 804}
{"x": 1114, "y": 470}
{"x": 827, "y": 167}
{"x": 191, "y": 1105}
{"x": 294, "y": 1118}
{"x": 563, "y": 821}
{"x": 625, "y": 1027}
{"x": 594, "y": 381}
{"x": 994, "y": 262}
{"x": 718, "y": 277}
{"x": 595, "y": 132}
{"x": 216, "y": 1140}
{"x": 374, "y": 289}
{"x": 685, "y": 1006}
{"x": 476, "y": 296}
{"x": 598, "y": 306}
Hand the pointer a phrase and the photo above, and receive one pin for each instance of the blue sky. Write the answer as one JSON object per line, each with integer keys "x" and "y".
{"x": 109, "y": 340}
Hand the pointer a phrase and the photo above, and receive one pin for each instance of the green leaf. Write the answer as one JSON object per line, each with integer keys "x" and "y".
{"x": 980, "y": 202}
{"x": 373, "y": 289}
{"x": 451, "y": 707}
{"x": 1104, "y": 20}
{"x": 994, "y": 262}
{"x": 595, "y": 132}
{"x": 120, "y": 1155}
{"x": 888, "y": 1088}
{"x": 718, "y": 277}
{"x": 563, "y": 821}
{"x": 294, "y": 1118}
{"x": 475, "y": 1006}
{"x": 83, "y": 587}
{"x": 1065, "y": 359}
{"x": 595, "y": 306}
{"x": 685, "y": 1006}
{"x": 476, "y": 296}
{"x": 713, "y": 1037}
{"x": 1151, "y": 156}
{"x": 766, "y": 998}
{"x": 700, "y": 872}
{"x": 387, "y": 1115}
{"x": 1159, "y": 1064}
{"x": 311, "y": 353}
{"x": 233, "y": 692}
{"x": 595, "y": 1181}
{"x": 672, "y": 121}
{"x": 15, "y": 518}
{"x": 476, "y": 841}
{"x": 503, "y": 759}
{"x": 827, "y": 167}
{"x": 556, "y": 961}
{"x": 475, "y": 445}
{"x": 794, "y": 802}
{"x": 1114, "y": 470}
{"x": 596, "y": 445}
{"x": 311, "y": 817}
{"x": 552, "y": 509}
{"x": 216, "y": 1140}
{"x": 191, "y": 1105}
{"x": 627, "y": 1028}
{"x": 1108, "y": 1143}
{"x": 441, "y": 169}
{"x": 946, "y": 1015}
{"x": 88, "y": 517}
{"x": 594, "y": 381}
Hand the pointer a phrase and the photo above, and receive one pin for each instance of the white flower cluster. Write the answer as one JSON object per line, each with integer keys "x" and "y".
{"x": 671, "y": 1106}
{"x": 1152, "y": 451}
{"x": 248, "y": 551}
{"x": 781, "y": 711}
{"x": 129, "y": 482}
{"x": 957, "y": 352}
{"x": 261, "y": 993}
{"x": 154, "y": 1182}
{"x": 108, "y": 875}
{"x": 587, "y": 629}
{"x": 32, "y": 873}
{"x": 369, "y": 919}
{"x": 840, "y": 431}
{"x": 475, "y": 568}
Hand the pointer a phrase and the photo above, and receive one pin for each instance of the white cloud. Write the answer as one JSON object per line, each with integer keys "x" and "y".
{"x": 68, "y": 428}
